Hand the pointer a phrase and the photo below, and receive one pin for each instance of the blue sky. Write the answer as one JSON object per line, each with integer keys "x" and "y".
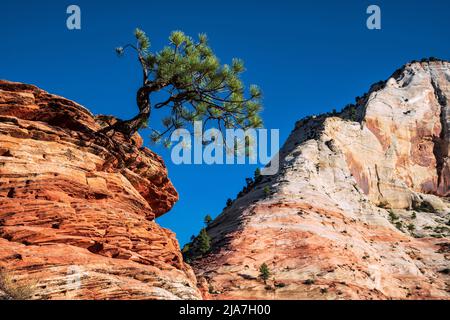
{"x": 307, "y": 56}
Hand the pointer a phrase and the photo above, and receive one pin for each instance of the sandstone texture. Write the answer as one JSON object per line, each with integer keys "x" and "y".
{"x": 359, "y": 208}
{"x": 77, "y": 208}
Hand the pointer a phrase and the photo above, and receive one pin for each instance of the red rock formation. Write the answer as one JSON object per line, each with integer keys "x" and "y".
{"x": 358, "y": 209}
{"x": 77, "y": 209}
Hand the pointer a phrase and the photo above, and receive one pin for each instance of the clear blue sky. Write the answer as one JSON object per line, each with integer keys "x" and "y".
{"x": 307, "y": 56}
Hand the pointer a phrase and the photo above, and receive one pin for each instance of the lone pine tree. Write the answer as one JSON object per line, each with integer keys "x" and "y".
{"x": 204, "y": 242}
{"x": 207, "y": 220}
{"x": 264, "y": 272}
{"x": 187, "y": 79}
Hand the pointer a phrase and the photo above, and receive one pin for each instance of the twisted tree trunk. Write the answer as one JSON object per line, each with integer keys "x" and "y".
{"x": 130, "y": 127}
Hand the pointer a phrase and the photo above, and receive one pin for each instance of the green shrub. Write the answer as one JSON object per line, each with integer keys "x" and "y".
{"x": 204, "y": 242}
{"x": 207, "y": 220}
{"x": 264, "y": 272}
{"x": 211, "y": 289}
{"x": 392, "y": 216}
{"x": 257, "y": 176}
{"x": 14, "y": 290}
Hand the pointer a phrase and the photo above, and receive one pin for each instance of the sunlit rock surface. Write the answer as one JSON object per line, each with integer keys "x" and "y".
{"x": 358, "y": 209}
{"x": 77, "y": 209}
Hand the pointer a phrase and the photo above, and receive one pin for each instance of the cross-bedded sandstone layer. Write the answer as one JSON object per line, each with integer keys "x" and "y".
{"x": 359, "y": 209}
{"x": 77, "y": 208}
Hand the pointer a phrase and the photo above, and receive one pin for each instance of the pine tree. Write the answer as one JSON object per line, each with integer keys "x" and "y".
{"x": 249, "y": 182}
{"x": 207, "y": 220}
{"x": 204, "y": 241}
{"x": 198, "y": 87}
{"x": 264, "y": 272}
{"x": 257, "y": 174}
{"x": 186, "y": 252}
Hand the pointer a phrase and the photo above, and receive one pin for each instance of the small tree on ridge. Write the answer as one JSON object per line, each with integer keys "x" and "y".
{"x": 207, "y": 220}
{"x": 264, "y": 272}
{"x": 192, "y": 85}
{"x": 204, "y": 241}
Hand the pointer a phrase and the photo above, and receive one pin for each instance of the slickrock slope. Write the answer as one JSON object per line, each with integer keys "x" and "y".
{"x": 358, "y": 209}
{"x": 77, "y": 209}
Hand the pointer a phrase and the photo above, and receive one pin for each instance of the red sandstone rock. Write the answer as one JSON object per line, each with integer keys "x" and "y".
{"x": 76, "y": 205}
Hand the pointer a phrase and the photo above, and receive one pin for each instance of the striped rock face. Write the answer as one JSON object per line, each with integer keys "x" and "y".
{"x": 77, "y": 209}
{"x": 358, "y": 209}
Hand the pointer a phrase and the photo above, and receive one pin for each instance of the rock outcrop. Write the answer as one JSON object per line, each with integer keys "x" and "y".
{"x": 359, "y": 209}
{"x": 77, "y": 208}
